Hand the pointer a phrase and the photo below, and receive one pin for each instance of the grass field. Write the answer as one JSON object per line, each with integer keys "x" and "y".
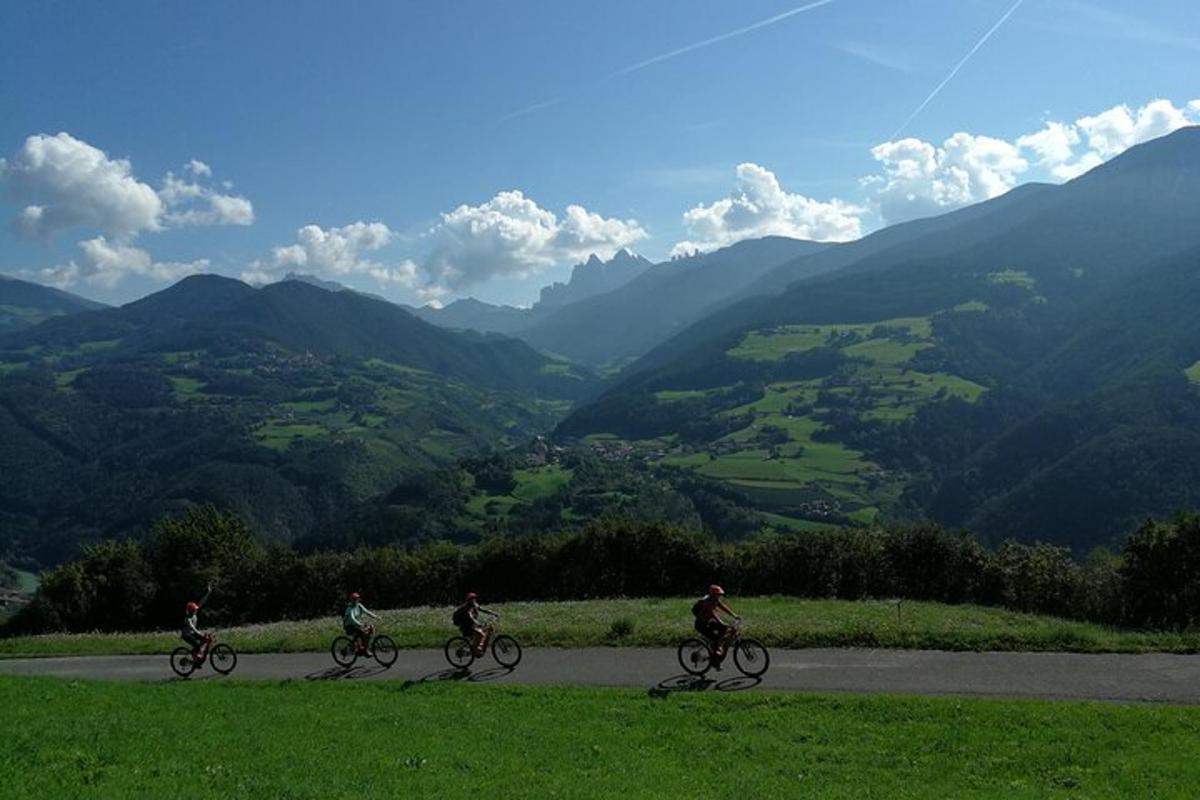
{"x": 778, "y": 621}
{"x": 776, "y": 343}
{"x": 341, "y": 740}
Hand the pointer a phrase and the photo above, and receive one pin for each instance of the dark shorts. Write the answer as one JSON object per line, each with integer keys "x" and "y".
{"x": 354, "y": 630}
{"x": 712, "y": 631}
{"x": 194, "y": 639}
{"x": 467, "y": 630}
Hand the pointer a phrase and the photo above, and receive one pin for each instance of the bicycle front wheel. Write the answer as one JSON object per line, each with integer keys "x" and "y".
{"x": 694, "y": 656}
{"x": 344, "y": 651}
{"x": 751, "y": 657}
{"x": 506, "y": 651}
{"x": 222, "y": 658}
{"x": 182, "y": 663}
{"x": 459, "y": 653}
{"x": 385, "y": 651}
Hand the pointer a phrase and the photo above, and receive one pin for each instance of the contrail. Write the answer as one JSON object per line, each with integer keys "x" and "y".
{"x": 715, "y": 39}
{"x": 763, "y": 23}
{"x": 520, "y": 112}
{"x": 957, "y": 67}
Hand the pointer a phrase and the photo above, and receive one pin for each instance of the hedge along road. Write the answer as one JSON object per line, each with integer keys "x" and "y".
{"x": 1151, "y": 678}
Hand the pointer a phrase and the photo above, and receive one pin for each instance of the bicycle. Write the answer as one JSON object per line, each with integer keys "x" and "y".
{"x": 221, "y": 657}
{"x": 505, "y": 649}
{"x": 346, "y": 650}
{"x": 751, "y": 656}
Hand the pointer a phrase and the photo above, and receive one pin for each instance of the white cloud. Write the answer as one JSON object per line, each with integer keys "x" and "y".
{"x": 64, "y": 182}
{"x": 511, "y": 236}
{"x": 333, "y": 252}
{"x": 198, "y": 168}
{"x": 1114, "y": 131}
{"x": 106, "y": 264}
{"x": 920, "y": 179}
{"x": 193, "y": 203}
{"x": 759, "y": 207}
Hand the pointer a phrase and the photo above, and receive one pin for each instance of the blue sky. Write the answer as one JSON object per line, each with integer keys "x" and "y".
{"x": 370, "y": 121}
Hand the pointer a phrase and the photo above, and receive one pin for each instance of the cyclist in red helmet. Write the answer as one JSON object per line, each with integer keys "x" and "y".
{"x": 466, "y": 619}
{"x": 190, "y": 631}
{"x": 709, "y": 624}
{"x": 352, "y": 621}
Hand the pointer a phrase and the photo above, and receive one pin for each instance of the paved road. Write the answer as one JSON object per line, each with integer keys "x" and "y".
{"x": 1122, "y": 678}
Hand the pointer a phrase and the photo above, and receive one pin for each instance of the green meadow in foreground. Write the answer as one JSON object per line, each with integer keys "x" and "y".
{"x": 778, "y": 621}
{"x": 340, "y": 740}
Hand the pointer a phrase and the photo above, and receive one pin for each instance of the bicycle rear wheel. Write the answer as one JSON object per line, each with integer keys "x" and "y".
{"x": 384, "y": 650}
{"x": 182, "y": 663}
{"x": 695, "y": 656}
{"x": 751, "y": 657}
{"x": 459, "y": 653}
{"x": 506, "y": 651}
{"x": 344, "y": 651}
{"x": 223, "y": 658}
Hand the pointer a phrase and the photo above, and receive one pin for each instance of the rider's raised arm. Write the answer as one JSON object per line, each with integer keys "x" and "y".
{"x": 207, "y": 592}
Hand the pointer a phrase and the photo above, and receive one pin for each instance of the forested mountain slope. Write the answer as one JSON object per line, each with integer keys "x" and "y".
{"x": 992, "y": 373}
{"x": 288, "y": 404}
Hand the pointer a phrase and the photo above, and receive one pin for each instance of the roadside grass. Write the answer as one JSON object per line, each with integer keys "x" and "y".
{"x": 778, "y": 621}
{"x": 348, "y": 740}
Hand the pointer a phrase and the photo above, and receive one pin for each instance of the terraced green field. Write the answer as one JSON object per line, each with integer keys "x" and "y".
{"x": 777, "y": 343}
{"x": 781, "y": 456}
{"x": 533, "y": 484}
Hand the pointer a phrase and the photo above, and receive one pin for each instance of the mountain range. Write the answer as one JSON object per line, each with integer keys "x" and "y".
{"x": 288, "y": 403}
{"x": 1028, "y": 367}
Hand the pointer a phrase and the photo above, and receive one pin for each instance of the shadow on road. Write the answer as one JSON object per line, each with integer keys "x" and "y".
{"x": 345, "y": 674}
{"x": 697, "y": 683}
{"x": 465, "y": 674}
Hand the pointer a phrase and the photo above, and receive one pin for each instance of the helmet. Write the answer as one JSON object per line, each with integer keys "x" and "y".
{"x": 472, "y": 596}
{"x": 355, "y": 596}
{"x": 714, "y": 589}
{"x": 192, "y": 607}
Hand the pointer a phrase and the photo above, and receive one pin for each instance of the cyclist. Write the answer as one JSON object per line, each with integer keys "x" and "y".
{"x": 352, "y": 621}
{"x": 709, "y": 624}
{"x": 466, "y": 619}
{"x": 190, "y": 631}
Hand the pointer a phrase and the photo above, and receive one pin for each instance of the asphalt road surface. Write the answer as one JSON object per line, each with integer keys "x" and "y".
{"x": 1156, "y": 678}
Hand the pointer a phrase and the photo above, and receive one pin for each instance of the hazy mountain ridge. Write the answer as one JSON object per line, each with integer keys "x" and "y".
{"x": 624, "y": 323}
{"x": 593, "y": 277}
{"x": 24, "y": 304}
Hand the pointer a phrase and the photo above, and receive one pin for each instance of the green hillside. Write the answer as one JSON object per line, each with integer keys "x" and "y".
{"x": 995, "y": 372}
{"x": 289, "y": 405}
{"x": 24, "y": 304}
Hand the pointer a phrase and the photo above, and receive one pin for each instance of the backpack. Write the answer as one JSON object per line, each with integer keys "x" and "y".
{"x": 698, "y": 608}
